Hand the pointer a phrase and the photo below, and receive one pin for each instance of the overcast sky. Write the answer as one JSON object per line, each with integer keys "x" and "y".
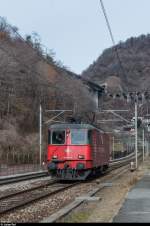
{"x": 76, "y": 29}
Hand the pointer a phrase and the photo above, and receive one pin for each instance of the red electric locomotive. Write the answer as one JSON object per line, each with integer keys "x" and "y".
{"x": 76, "y": 151}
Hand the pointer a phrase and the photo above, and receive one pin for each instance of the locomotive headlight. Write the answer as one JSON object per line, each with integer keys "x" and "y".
{"x": 81, "y": 156}
{"x": 55, "y": 157}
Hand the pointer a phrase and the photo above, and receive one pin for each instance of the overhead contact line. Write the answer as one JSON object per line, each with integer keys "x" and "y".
{"x": 113, "y": 41}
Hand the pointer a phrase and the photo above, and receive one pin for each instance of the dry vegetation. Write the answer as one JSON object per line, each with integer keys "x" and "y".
{"x": 29, "y": 77}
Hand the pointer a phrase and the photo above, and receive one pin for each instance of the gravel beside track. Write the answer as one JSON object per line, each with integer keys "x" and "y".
{"x": 18, "y": 199}
{"x": 18, "y": 186}
{"x": 45, "y": 207}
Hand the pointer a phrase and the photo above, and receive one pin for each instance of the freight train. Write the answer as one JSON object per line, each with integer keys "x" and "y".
{"x": 77, "y": 151}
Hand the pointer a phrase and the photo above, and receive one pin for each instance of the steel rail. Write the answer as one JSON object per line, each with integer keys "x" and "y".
{"x": 55, "y": 217}
{"x": 12, "y": 204}
{"x": 12, "y": 194}
{"x": 31, "y": 195}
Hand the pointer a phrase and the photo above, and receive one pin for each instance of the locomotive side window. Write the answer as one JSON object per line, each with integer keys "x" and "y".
{"x": 58, "y": 137}
{"x": 78, "y": 136}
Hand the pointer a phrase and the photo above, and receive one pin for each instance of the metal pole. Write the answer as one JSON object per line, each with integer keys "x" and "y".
{"x": 40, "y": 135}
{"x": 147, "y": 149}
{"x": 143, "y": 144}
{"x": 136, "y": 137}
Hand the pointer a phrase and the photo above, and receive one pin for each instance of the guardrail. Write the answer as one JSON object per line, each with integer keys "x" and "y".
{"x": 124, "y": 160}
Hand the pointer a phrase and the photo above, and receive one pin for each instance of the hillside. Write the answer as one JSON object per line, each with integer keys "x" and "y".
{"x": 135, "y": 76}
{"x": 28, "y": 78}
{"x": 135, "y": 58}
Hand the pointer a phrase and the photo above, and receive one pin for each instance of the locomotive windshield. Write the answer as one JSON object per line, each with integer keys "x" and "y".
{"x": 58, "y": 137}
{"x": 78, "y": 136}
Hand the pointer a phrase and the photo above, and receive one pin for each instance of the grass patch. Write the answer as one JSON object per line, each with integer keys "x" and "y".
{"x": 77, "y": 217}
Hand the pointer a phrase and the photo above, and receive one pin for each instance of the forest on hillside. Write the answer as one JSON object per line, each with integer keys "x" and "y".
{"x": 30, "y": 76}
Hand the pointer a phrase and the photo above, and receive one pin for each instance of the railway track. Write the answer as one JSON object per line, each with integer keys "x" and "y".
{"x": 19, "y": 199}
{"x": 15, "y": 179}
{"x": 108, "y": 180}
{"x": 18, "y": 178}
{"x": 123, "y": 161}
{"x": 15, "y": 200}
{"x": 117, "y": 169}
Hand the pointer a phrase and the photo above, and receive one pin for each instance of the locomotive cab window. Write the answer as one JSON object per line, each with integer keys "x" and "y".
{"x": 58, "y": 137}
{"x": 78, "y": 136}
